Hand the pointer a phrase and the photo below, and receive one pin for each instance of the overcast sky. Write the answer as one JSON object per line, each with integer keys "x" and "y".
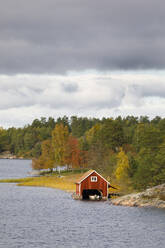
{"x": 80, "y": 57}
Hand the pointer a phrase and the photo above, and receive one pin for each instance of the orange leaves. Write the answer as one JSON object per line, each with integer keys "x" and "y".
{"x": 61, "y": 149}
{"x": 75, "y": 157}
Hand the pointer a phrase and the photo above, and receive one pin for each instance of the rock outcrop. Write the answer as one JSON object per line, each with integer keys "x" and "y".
{"x": 8, "y": 155}
{"x": 152, "y": 197}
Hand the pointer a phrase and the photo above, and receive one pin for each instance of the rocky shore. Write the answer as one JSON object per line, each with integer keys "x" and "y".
{"x": 8, "y": 155}
{"x": 152, "y": 197}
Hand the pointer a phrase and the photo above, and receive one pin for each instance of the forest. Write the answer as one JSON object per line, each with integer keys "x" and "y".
{"x": 129, "y": 151}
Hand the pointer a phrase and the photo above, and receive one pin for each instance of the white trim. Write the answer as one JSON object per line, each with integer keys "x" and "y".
{"x": 85, "y": 177}
{"x": 90, "y": 174}
{"x": 107, "y": 190}
{"x": 94, "y": 179}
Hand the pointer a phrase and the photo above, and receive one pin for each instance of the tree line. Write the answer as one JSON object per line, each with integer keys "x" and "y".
{"x": 130, "y": 150}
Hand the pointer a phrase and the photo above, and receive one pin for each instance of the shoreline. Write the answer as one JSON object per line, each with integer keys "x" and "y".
{"x": 66, "y": 183}
{"x": 152, "y": 197}
{"x": 8, "y": 155}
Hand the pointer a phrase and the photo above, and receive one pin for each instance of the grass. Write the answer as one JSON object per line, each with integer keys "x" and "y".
{"x": 15, "y": 180}
{"x": 65, "y": 182}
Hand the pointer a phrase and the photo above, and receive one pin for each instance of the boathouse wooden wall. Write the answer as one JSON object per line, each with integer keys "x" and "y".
{"x": 77, "y": 189}
{"x": 87, "y": 184}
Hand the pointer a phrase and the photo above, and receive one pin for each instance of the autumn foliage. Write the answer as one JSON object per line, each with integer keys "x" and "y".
{"x": 62, "y": 149}
{"x": 129, "y": 150}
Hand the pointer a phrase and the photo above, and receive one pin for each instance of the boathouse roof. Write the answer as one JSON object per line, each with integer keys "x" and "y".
{"x": 87, "y": 174}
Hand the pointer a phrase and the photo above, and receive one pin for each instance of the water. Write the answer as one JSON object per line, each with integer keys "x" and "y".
{"x": 48, "y": 218}
{"x": 14, "y": 168}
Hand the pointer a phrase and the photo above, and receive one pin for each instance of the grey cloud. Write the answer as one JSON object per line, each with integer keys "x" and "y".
{"x": 77, "y": 92}
{"x": 59, "y": 92}
{"x": 25, "y": 97}
{"x": 56, "y": 36}
{"x": 148, "y": 90}
{"x": 70, "y": 87}
{"x": 154, "y": 91}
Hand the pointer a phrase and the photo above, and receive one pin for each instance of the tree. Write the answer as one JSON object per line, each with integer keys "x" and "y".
{"x": 144, "y": 174}
{"x": 73, "y": 158}
{"x": 45, "y": 161}
{"x": 144, "y": 119}
{"x": 158, "y": 168}
{"x": 151, "y": 167}
{"x": 146, "y": 135}
{"x": 51, "y": 123}
{"x": 80, "y": 125}
{"x": 60, "y": 137}
{"x": 37, "y": 164}
{"x": 122, "y": 170}
{"x": 3, "y": 140}
{"x": 64, "y": 121}
{"x": 47, "y": 154}
{"x": 112, "y": 134}
{"x": 29, "y": 140}
{"x": 93, "y": 135}
{"x": 36, "y": 151}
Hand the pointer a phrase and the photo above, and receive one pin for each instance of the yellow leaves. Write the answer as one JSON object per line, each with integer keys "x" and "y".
{"x": 93, "y": 133}
{"x": 46, "y": 148}
{"x": 122, "y": 166}
{"x": 121, "y": 173}
{"x": 60, "y": 137}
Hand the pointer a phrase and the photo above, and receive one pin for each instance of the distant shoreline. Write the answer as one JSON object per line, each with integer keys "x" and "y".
{"x": 17, "y": 158}
{"x": 8, "y": 155}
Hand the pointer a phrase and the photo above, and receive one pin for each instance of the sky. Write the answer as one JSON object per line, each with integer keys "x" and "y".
{"x": 80, "y": 57}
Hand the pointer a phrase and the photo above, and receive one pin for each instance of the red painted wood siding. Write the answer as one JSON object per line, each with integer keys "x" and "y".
{"x": 77, "y": 189}
{"x": 101, "y": 184}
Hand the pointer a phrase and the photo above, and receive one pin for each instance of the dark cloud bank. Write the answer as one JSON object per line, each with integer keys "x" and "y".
{"x": 55, "y": 36}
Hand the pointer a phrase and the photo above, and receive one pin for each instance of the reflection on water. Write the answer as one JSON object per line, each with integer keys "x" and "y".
{"x": 43, "y": 217}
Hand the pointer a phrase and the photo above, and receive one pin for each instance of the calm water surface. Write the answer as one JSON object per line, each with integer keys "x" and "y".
{"x": 14, "y": 168}
{"x": 43, "y": 217}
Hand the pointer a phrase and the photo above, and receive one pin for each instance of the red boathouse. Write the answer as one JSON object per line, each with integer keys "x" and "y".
{"x": 92, "y": 184}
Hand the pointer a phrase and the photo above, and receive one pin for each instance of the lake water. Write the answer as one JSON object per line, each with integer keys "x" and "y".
{"x": 49, "y": 218}
{"x": 14, "y": 168}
